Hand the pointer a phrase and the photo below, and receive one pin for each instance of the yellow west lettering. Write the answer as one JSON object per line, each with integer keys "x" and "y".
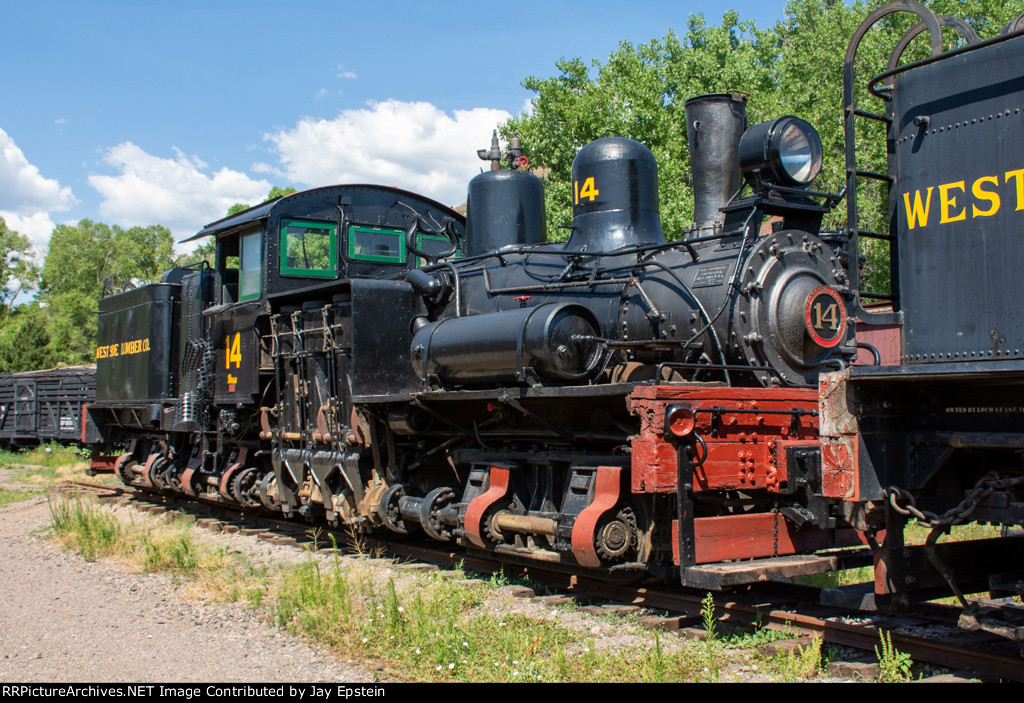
{"x": 947, "y": 201}
{"x": 988, "y": 195}
{"x": 916, "y": 212}
{"x": 1018, "y": 176}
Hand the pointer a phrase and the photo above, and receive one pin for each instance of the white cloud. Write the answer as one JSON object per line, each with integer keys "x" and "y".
{"x": 415, "y": 146}
{"x": 26, "y": 197}
{"x": 37, "y": 227}
{"x": 177, "y": 193}
{"x": 345, "y": 73}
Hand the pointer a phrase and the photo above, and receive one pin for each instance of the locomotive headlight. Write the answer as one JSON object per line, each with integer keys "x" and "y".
{"x": 786, "y": 151}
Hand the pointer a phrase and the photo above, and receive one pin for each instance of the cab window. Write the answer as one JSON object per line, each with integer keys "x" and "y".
{"x": 376, "y": 244}
{"x": 309, "y": 248}
{"x": 250, "y": 274}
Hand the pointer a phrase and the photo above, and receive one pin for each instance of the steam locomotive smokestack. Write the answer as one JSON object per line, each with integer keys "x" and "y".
{"x": 714, "y": 125}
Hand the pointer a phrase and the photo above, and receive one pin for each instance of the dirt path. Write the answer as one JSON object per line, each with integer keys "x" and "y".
{"x": 66, "y": 619}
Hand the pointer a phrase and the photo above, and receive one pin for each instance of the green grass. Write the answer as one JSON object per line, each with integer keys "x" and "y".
{"x": 48, "y": 464}
{"x": 86, "y": 527}
{"x": 81, "y": 524}
{"x": 435, "y": 632}
{"x": 51, "y": 456}
{"x": 8, "y": 496}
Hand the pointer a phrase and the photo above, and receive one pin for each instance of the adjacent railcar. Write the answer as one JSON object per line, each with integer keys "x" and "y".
{"x": 938, "y": 435}
{"x": 44, "y": 406}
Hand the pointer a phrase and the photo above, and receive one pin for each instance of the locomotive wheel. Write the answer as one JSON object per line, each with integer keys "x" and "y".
{"x": 173, "y": 477}
{"x": 433, "y": 503}
{"x": 158, "y": 473}
{"x": 390, "y": 512}
{"x": 124, "y": 467}
{"x": 268, "y": 492}
{"x": 245, "y": 488}
{"x": 616, "y": 537}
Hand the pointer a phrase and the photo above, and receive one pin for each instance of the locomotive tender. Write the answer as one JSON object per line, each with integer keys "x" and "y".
{"x": 622, "y": 401}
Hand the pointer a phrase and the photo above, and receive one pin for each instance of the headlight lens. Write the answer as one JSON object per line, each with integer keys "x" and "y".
{"x": 786, "y": 151}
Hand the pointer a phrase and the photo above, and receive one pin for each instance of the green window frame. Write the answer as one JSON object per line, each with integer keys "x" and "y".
{"x": 250, "y": 266}
{"x": 445, "y": 245}
{"x": 388, "y": 245}
{"x": 294, "y": 233}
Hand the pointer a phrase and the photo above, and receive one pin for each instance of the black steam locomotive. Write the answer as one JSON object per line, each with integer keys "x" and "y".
{"x": 618, "y": 401}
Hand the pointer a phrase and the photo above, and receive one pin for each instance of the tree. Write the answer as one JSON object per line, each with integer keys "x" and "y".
{"x": 87, "y": 261}
{"x": 275, "y": 192}
{"x": 639, "y": 93}
{"x": 792, "y": 68}
{"x": 25, "y": 342}
{"x": 208, "y": 249}
{"x": 20, "y": 272}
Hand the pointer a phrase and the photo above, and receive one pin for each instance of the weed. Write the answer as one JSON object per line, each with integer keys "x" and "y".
{"x": 711, "y": 643}
{"x": 314, "y": 534}
{"x": 893, "y": 665}
{"x": 500, "y": 579}
{"x": 85, "y": 527}
{"x": 802, "y": 664}
{"x": 760, "y": 635}
{"x": 356, "y": 539}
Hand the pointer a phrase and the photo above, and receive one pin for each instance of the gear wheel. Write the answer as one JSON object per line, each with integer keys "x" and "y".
{"x": 616, "y": 537}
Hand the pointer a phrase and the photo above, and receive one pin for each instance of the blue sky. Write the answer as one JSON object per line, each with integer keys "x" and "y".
{"x": 137, "y": 113}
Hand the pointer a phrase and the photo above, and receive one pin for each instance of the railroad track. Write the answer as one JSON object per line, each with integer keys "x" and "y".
{"x": 929, "y": 633}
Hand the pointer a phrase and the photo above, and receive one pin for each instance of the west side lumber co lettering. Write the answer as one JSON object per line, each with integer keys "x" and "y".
{"x": 135, "y": 346}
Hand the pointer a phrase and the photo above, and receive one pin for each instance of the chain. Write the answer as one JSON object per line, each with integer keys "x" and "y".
{"x": 989, "y": 484}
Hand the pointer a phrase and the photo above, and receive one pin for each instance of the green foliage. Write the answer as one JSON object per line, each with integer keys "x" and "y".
{"x": 893, "y": 665}
{"x": 275, "y": 192}
{"x": 207, "y": 251}
{"x": 85, "y": 262}
{"x": 25, "y": 341}
{"x": 19, "y": 272}
{"x": 90, "y": 256}
{"x": 793, "y": 68}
